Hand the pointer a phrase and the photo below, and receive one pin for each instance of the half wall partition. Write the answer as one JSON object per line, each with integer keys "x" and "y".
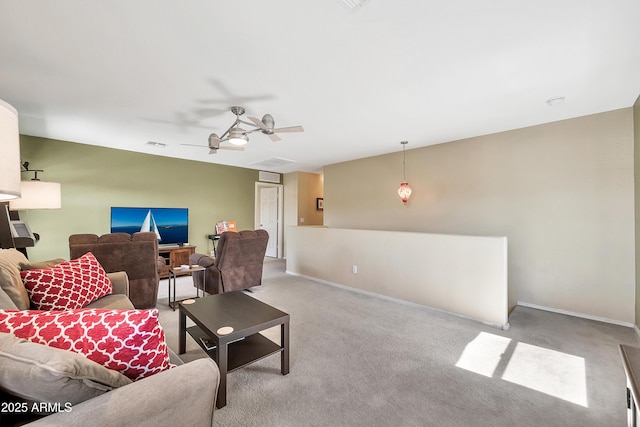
{"x": 462, "y": 275}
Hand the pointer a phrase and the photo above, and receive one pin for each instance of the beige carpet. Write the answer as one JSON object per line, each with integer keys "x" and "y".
{"x": 358, "y": 360}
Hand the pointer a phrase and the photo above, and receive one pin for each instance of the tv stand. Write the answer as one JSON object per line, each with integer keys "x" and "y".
{"x": 174, "y": 256}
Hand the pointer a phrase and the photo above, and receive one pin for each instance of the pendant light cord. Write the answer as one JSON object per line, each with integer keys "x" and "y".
{"x": 404, "y": 166}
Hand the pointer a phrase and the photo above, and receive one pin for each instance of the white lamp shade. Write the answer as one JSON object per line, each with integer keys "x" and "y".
{"x": 10, "y": 149}
{"x": 37, "y": 195}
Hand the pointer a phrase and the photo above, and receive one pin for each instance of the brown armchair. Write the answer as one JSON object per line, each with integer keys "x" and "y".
{"x": 135, "y": 254}
{"x": 238, "y": 262}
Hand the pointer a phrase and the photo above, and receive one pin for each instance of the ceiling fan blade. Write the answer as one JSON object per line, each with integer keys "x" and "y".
{"x": 274, "y": 137}
{"x": 258, "y": 122}
{"x": 195, "y": 145}
{"x": 225, "y": 147}
{"x": 290, "y": 129}
{"x": 213, "y": 151}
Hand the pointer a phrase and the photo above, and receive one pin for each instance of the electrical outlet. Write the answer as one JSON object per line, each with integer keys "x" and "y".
{"x": 301, "y": 220}
{"x": 212, "y": 253}
{"x": 354, "y": 269}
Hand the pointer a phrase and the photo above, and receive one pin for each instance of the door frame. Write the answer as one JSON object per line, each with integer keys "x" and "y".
{"x": 256, "y": 219}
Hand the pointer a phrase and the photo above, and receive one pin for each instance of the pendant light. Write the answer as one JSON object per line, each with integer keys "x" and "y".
{"x": 404, "y": 191}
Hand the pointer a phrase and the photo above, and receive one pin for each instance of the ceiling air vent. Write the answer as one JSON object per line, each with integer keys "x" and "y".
{"x": 273, "y": 163}
{"x": 156, "y": 144}
{"x": 269, "y": 177}
{"x": 352, "y": 5}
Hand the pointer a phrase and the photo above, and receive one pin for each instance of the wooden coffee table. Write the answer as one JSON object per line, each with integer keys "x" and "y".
{"x": 214, "y": 315}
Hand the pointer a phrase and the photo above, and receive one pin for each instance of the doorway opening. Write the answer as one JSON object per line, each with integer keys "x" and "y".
{"x": 269, "y": 208}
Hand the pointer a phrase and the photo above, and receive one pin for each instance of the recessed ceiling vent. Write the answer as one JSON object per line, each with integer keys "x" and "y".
{"x": 352, "y": 5}
{"x": 273, "y": 163}
{"x": 269, "y": 177}
{"x": 556, "y": 100}
{"x": 156, "y": 144}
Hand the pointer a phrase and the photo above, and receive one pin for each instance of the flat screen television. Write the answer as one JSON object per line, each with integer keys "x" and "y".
{"x": 170, "y": 224}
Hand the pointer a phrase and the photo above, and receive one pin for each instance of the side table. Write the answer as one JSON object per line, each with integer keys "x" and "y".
{"x": 174, "y": 273}
{"x": 214, "y": 238}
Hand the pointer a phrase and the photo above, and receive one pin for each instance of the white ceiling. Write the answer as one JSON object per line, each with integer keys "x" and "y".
{"x": 119, "y": 73}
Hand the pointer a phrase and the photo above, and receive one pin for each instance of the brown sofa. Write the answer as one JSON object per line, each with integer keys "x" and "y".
{"x": 238, "y": 263}
{"x": 135, "y": 254}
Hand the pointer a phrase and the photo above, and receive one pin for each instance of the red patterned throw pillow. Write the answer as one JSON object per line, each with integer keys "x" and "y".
{"x": 129, "y": 341}
{"x": 68, "y": 285}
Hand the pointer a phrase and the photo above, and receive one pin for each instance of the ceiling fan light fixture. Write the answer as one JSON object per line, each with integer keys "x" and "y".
{"x": 239, "y": 141}
{"x": 238, "y": 136}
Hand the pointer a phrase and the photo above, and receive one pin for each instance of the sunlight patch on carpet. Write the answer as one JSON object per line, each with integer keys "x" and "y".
{"x": 554, "y": 373}
{"x": 548, "y": 371}
{"x": 483, "y": 354}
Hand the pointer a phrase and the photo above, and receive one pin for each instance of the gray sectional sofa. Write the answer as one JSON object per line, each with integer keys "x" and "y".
{"x": 183, "y": 395}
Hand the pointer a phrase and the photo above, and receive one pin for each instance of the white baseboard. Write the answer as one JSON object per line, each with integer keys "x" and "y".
{"x": 582, "y": 315}
{"x": 396, "y": 300}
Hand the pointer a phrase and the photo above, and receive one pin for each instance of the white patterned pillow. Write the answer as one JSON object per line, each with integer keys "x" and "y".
{"x": 68, "y": 285}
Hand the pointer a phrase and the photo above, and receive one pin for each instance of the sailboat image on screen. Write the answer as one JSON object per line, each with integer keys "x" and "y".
{"x": 149, "y": 224}
{"x": 170, "y": 225}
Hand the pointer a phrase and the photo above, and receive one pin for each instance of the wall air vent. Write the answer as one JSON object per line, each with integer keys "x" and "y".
{"x": 269, "y": 177}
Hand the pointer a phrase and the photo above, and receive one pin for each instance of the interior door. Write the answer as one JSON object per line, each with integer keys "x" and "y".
{"x": 269, "y": 218}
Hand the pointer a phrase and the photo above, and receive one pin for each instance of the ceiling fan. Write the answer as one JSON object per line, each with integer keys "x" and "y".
{"x": 238, "y": 136}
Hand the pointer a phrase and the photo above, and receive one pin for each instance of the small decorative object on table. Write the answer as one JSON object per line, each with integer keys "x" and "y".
{"x": 208, "y": 343}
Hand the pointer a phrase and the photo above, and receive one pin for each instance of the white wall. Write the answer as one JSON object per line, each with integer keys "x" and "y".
{"x": 465, "y": 275}
{"x": 290, "y": 182}
{"x": 562, "y": 193}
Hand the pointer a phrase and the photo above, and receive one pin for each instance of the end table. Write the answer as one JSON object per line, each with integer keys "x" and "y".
{"x": 174, "y": 273}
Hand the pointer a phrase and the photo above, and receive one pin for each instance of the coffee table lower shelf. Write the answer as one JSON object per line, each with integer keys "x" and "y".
{"x": 240, "y": 353}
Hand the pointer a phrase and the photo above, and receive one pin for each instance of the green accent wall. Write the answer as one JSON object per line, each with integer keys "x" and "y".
{"x": 93, "y": 179}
